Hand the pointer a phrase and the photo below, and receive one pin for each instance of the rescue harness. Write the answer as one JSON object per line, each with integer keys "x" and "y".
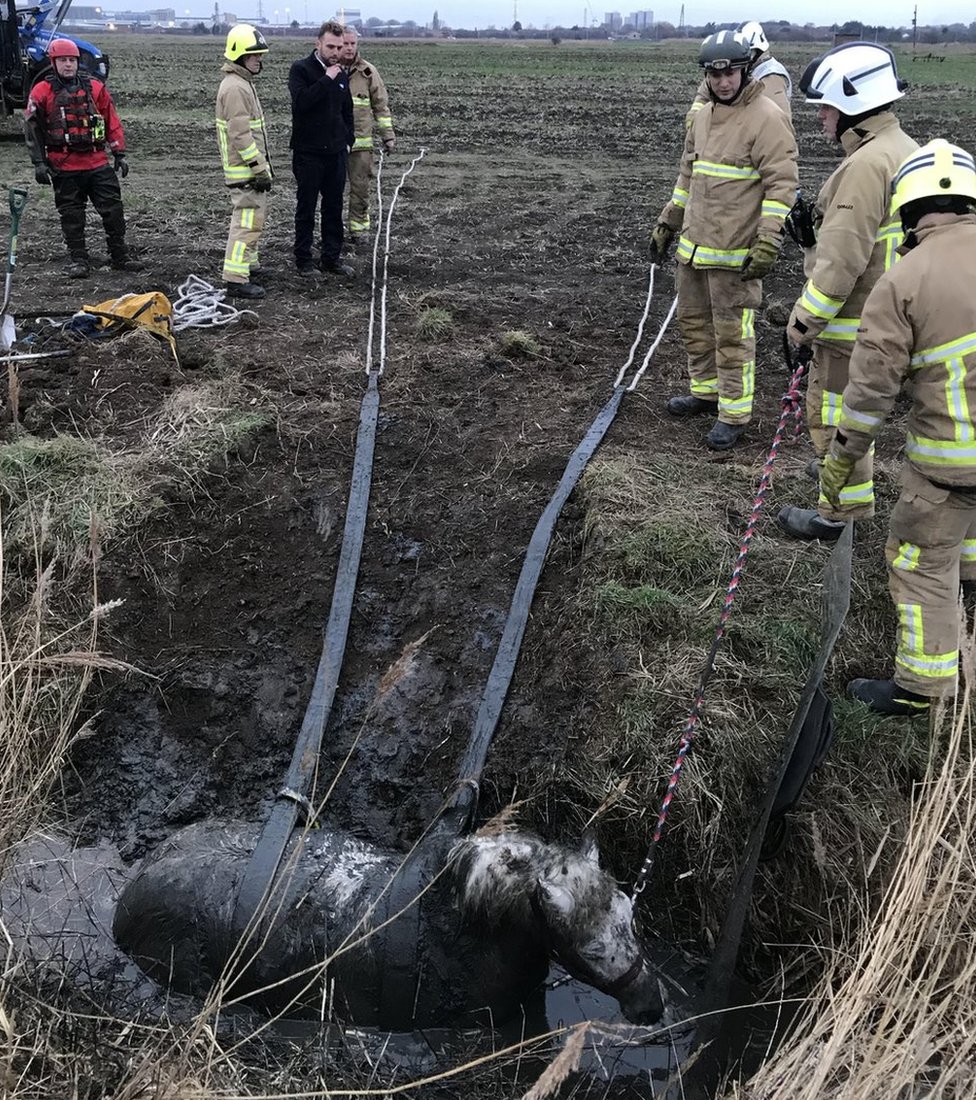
{"x": 73, "y": 121}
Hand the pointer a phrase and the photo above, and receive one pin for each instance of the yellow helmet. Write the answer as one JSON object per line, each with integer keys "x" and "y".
{"x": 937, "y": 171}
{"x": 244, "y": 39}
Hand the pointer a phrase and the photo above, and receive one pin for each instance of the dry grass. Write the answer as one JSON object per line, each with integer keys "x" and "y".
{"x": 897, "y": 1018}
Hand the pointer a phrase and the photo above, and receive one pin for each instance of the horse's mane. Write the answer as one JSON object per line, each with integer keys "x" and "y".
{"x": 495, "y": 873}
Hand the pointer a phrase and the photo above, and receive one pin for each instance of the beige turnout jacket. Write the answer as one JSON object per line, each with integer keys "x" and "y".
{"x": 737, "y": 180}
{"x": 370, "y": 104}
{"x": 857, "y": 239}
{"x": 240, "y": 127}
{"x": 919, "y": 323}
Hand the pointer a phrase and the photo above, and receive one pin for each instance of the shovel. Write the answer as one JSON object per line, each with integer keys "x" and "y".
{"x": 8, "y": 332}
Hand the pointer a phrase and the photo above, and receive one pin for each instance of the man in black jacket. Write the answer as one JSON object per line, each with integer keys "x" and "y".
{"x": 322, "y": 135}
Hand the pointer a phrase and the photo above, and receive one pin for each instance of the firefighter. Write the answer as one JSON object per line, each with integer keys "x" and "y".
{"x": 243, "y": 142}
{"x": 736, "y": 184}
{"x": 854, "y": 86}
{"x": 370, "y": 106}
{"x": 919, "y": 323}
{"x": 776, "y": 82}
{"x": 70, "y": 124}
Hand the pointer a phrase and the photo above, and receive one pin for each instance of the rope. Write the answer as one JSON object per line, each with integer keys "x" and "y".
{"x": 792, "y": 408}
{"x": 198, "y": 304}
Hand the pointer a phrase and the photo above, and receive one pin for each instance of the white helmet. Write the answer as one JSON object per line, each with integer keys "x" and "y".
{"x": 855, "y": 78}
{"x": 753, "y": 33}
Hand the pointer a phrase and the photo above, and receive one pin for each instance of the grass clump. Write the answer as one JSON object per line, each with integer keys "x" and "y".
{"x": 517, "y": 344}
{"x": 434, "y": 324}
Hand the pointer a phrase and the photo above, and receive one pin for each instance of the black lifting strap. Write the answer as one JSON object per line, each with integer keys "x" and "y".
{"x": 262, "y": 870}
{"x": 805, "y": 744}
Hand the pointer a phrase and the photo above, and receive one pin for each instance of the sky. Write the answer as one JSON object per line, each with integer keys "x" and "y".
{"x": 541, "y": 13}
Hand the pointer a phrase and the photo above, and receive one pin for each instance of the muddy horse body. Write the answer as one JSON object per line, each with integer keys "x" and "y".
{"x": 492, "y": 912}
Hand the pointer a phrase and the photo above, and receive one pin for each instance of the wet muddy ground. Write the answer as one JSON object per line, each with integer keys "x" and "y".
{"x": 530, "y": 211}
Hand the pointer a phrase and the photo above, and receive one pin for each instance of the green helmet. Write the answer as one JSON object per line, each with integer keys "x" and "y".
{"x": 725, "y": 50}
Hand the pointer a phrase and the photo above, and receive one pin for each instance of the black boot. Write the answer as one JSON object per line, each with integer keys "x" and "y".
{"x": 689, "y": 405}
{"x": 723, "y": 437}
{"x": 886, "y": 697}
{"x": 250, "y": 291}
{"x": 78, "y": 266}
{"x": 124, "y": 262}
{"x": 808, "y": 523}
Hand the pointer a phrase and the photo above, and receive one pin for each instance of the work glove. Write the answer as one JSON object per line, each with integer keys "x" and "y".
{"x": 389, "y": 144}
{"x": 761, "y": 257}
{"x": 261, "y": 181}
{"x": 42, "y": 174}
{"x": 661, "y": 237}
{"x": 800, "y": 353}
{"x": 121, "y": 164}
{"x": 835, "y": 473}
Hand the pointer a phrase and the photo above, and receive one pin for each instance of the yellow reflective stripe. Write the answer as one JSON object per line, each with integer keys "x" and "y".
{"x": 891, "y": 235}
{"x": 855, "y": 420}
{"x": 704, "y": 387}
{"x": 360, "y": 101}
{"x": 748, "y": 324}
{"x": 830, "y": 408}
{"x": 854, "y": 494}
{"x": 723, "y": 171}
{"x": 957, "y": 401}
{"x": 247, "y": 217}
{"x": 939, "y": 354}
{"x": 249, "y": 152}
{"x": 911, "y": 653}
{"x": 841, "y": 328}
{"x": 773, "y": 209}
{"x": 358, "y": 226}
{"x": 741, "y": 406}
{"x": 679, "y": 196}
{"x": 362, "y": 143}
{"x": 818, "y": 303}
{"x": 711, "y": 257}
{"x": 235, "y": 172}
{"x": 697, "y": 105}
{"x": 940, "y": 452}
{"x": 907, "y": 557}
{"x": 968, "y": 550}
{"x": 256, "y": 123}
{"x": 385, "y": 122}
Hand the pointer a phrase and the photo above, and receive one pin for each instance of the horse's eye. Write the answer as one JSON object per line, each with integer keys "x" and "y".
{"x": 594, "y": 950}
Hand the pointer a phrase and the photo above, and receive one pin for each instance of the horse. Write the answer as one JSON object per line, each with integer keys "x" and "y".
{"x": 464, "y": 940}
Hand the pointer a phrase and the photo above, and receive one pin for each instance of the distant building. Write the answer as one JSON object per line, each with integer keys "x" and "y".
{"x": 641, "y": 20}
{"x": 613, "y": 20}
{"x": 349, "y": 16}
{"x": 160, "y": 16}
{"x": 86, "y": 14}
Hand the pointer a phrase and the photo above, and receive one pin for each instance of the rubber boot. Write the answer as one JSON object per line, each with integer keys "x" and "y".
{"x": 78, "y": 267}
{"x": 249, "y": 291}
{"x": 886, "y": 697}
{"x": 125, "y": 262}
{"x": 723, "y": 437}
{"x": 687, "y": 404}
{"x": 808, "y": 523}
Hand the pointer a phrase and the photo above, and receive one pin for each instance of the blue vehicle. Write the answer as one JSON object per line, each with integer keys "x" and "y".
{"x": 25, "y": 34}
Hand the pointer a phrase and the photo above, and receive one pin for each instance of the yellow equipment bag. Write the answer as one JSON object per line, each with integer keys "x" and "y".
{"x": 152, "y": 312}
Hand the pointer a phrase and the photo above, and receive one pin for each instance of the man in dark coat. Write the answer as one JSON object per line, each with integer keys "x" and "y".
{"x": 321, "y": 137}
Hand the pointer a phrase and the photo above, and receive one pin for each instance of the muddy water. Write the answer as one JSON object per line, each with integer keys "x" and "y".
{"x": 57, "y": 903}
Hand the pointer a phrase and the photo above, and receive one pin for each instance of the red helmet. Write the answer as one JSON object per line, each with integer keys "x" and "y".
{"x": 62, "y": 47}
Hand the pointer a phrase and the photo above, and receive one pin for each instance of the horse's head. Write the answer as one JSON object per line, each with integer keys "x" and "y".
{"x": 589, "y": 921}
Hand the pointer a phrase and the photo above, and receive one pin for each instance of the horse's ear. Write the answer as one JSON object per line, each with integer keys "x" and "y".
{"x": 589, "y": 847}
{"x": 555, "y": 896}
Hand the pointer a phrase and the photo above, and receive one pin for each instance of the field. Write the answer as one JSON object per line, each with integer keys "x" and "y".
{"x": 208, "y": 501}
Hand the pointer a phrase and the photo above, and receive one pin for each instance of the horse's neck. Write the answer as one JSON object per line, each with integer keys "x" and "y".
{"x": 497, "y": 873}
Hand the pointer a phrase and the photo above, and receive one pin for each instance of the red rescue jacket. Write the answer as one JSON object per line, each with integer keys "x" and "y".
{"x": 73, "y": 123}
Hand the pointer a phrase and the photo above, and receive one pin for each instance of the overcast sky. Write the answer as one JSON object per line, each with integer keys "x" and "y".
{"x": 482, "y": 13}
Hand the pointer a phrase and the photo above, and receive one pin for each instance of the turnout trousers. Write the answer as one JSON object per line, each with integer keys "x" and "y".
{"x": 717, "y": 312}
{"x": 72, "y": 190}
{"x": 360, "y": 175}
{"x": 318, "y": 175}
{"x": 828, "y": 374}
{"x": 931, "y": 547}
{"x": 247, "y": 220}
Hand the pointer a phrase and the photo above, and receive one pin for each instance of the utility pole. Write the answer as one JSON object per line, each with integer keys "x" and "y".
{"x": 514, "y": 12}
{"x": 914, "y": 31}
{"x": 260, "y": 13}
{"x": 681, "y": 22}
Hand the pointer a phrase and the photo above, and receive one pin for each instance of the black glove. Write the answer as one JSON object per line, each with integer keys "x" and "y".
{"x": 121, "y": 165}
{"x": 661, "y": 237}
{"x": 800, "y": 353}
{"x": 42, "y": 174}
{"x": 261, "y": 181}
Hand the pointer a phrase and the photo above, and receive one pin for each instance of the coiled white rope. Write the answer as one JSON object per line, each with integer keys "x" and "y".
{"x": 198, "y": 304}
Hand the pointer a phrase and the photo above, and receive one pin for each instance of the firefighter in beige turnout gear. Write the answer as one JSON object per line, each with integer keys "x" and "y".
{"x": 857, "y": 240}
{"x": 243, "y": 143}
{"x": 775, "y": 78}
{"x": 370, "y": 107}
{"x": 919, "y": 323}
{"x": 736, "y": 183}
